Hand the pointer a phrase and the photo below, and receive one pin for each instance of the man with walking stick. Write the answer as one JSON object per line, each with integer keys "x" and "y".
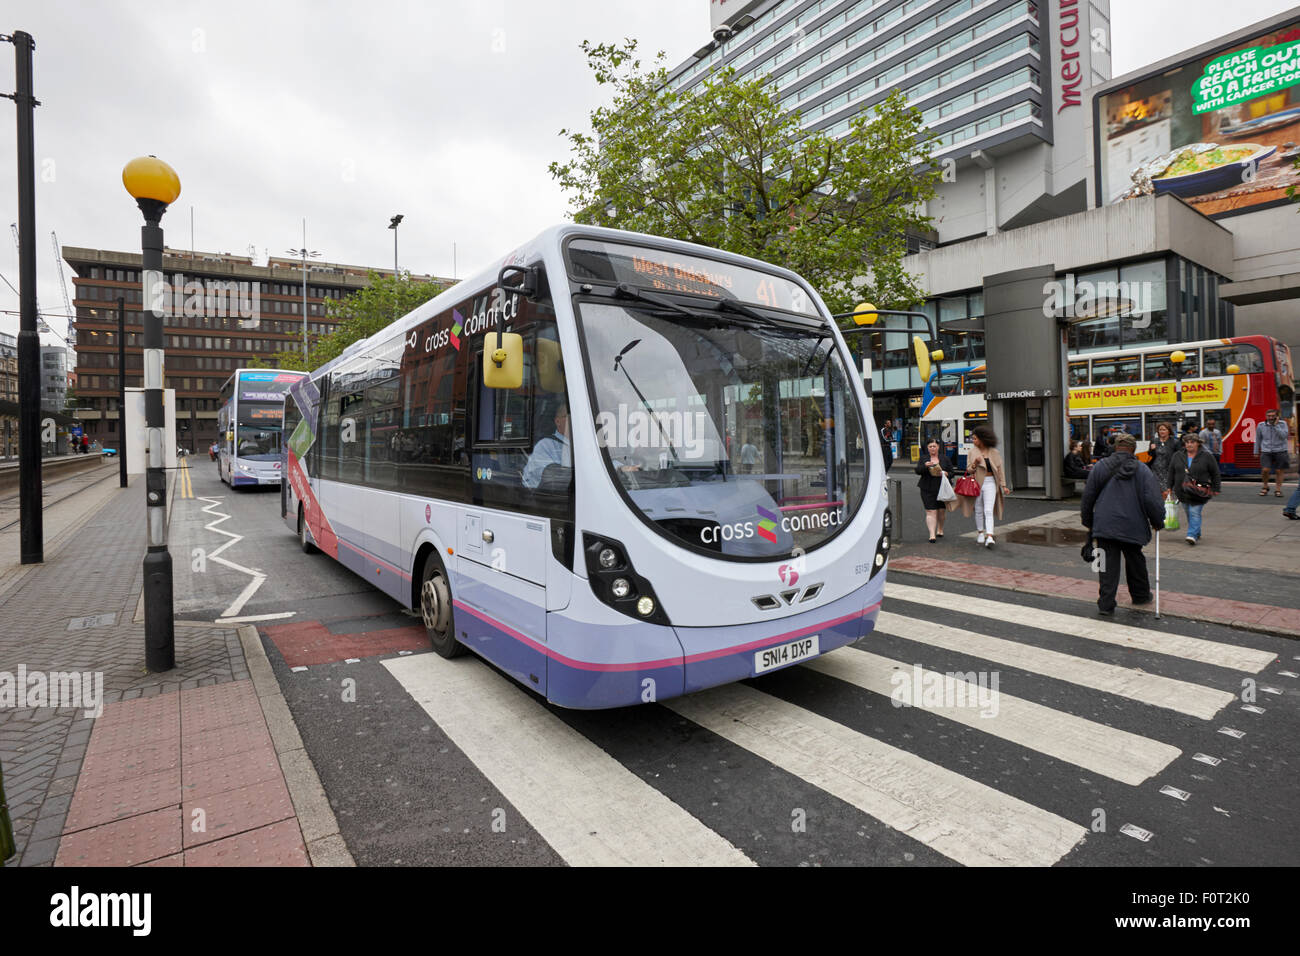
{"x": 1121, "y": 505}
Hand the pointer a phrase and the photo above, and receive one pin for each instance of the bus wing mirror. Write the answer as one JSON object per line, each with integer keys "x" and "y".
{"x": 528, "y": 283}
{"x": 503, "y": 365}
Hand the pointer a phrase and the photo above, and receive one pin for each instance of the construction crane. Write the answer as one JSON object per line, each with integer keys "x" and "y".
{"x": 67, "y": 303}
{"x": 40, "y": 319}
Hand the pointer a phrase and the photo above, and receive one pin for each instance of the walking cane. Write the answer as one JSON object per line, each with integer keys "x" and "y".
{"x": 1158, "y": 574}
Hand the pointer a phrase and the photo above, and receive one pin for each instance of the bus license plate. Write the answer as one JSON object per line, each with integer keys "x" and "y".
{"x": 783, "y": 654}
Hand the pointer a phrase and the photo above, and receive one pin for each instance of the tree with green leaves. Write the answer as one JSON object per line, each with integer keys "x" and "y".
{"x": 359, "y": 315}
{"x": 725, "y": 165}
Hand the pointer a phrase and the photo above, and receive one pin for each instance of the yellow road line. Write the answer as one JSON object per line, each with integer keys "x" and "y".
{"x": 187, "y": 486}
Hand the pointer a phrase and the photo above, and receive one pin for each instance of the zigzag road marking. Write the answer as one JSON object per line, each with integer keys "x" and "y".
{"x": 257, "y": 576}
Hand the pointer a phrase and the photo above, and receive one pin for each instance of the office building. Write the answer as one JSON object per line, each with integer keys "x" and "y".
{"x": 223, "y": 311}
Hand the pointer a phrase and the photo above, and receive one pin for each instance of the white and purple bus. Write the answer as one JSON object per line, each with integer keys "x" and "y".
{"x": 621, "y": 468}
{"x": 249, "y": 426}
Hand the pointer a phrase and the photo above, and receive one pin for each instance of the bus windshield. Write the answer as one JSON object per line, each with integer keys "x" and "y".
{"x": 734, "y": 436}
{"x": 257, "y": 432}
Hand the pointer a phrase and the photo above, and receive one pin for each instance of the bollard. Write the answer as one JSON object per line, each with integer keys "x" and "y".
{"x": 894, "y": 499}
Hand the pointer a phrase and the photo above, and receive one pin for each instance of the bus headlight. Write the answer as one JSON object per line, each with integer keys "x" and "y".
{"x": 882, "y": 545}
{"x": 615, "y": 582}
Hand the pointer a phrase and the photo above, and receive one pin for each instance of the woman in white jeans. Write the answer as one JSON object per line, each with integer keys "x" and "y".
{"x": 985, "y": 464}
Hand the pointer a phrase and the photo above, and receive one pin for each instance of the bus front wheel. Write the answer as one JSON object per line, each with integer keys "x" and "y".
{"x": 436, "y": 610}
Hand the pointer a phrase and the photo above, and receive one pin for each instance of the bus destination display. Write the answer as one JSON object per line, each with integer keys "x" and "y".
{"x": 660, "y": 271}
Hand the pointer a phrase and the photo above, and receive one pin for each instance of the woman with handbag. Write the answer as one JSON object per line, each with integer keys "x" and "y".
{"x": 1194, "y": 479}
{"x": 935, "y": 469}
{"x": 984, "y": 464}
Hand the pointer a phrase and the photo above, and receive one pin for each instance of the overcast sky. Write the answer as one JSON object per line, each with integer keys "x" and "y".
{"x": 346, "y": 113}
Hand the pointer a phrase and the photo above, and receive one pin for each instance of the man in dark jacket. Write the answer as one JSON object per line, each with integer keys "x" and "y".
{"x": 1121, "y": 505}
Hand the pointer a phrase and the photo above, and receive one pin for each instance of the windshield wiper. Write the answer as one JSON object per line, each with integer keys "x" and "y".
{"x": 625, "y": 291}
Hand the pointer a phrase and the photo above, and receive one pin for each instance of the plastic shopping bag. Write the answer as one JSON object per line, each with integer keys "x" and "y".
{"x": 1171, "y": 515}
{"x": 945, "y": 490}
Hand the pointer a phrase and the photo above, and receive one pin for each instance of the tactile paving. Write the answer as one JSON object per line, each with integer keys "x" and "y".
{"x": 92, "y": 806}
{"x": 279, "y": 844}
{"x": 202, "y": 779}
{"x": 137, "y": 839}
{"x": 235, "y": 811}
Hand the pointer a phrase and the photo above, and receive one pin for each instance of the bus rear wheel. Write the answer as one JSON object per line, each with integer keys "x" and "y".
{"x": 436, "y": 610}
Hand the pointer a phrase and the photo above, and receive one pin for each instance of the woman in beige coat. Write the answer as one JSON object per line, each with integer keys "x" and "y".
{"x": 985, "y": 464}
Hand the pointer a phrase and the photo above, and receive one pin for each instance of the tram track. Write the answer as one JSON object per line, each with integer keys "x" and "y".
{"x": 12, "y": 501}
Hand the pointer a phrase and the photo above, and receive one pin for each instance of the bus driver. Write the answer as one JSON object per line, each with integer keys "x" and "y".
{"x": 554, "y": 449}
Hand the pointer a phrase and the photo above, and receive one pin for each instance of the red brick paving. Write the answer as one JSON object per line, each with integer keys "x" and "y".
{"x": 279, "y": 844}
{"x": 235, "y": 811}
{"x": 1198, "y": 607}
{"x": 128, "y": 842}
{"x": 310, "y": 642}
{"x": 152, "y": 762}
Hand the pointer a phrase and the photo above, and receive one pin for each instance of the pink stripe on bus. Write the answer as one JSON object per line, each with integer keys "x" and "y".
{"x": 665, "y": 662}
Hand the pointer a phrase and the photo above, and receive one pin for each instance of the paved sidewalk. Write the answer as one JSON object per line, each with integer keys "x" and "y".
{"x": 200, "y": 765}
{"x": 1249, "y": 616}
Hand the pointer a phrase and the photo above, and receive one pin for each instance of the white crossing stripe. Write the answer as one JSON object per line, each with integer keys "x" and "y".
{"x": 1193, "y": 699}
{"x": 1114, "y": 753}
{"x": 1191, "y": 648}
{"x": 964, "y": 820}
{"x": 591, "y": 809}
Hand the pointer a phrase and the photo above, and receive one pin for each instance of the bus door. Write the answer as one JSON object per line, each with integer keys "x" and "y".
{"x": 519, "y": 456}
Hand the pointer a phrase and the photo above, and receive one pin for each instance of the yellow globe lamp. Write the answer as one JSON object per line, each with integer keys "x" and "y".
{"x": 1234, "y": 369}
{"x": 864, "y": 313}
{"x": 1178, "y": 358}
{"x": 149, "y": 178}
{"x": 922, "y": 357}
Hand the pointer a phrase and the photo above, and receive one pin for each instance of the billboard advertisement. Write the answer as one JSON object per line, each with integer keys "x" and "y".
{"x": 1222, "y": 131}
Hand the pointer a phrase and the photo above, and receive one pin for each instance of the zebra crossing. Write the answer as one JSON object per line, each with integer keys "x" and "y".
{"x": 593, "y": 809}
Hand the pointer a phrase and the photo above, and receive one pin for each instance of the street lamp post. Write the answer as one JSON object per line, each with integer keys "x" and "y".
{"x": 305, "y": 253}
{"x": 154, "y": 185}
{"x": 393, "y": 224}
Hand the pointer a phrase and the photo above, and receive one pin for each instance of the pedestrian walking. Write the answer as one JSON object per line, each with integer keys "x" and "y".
{"x": 1212, "y": 437}
{"x": 1271, "y": 445}
{"x": 1194, "y": 478}
{"x": 934, "y": 467}
{"x": 1121, "y": 506}
{"x": 985, "y": 464}
{"x": 1291, "y": 505}
{"x": 1164, "y": 446}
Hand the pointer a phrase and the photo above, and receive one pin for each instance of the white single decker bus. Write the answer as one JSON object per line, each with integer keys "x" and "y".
{"x": 621, "y": 468}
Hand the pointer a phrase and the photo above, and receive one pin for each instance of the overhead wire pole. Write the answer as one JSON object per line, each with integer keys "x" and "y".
{"x": 32, "y": 533}
{"x": 304, "y": 253}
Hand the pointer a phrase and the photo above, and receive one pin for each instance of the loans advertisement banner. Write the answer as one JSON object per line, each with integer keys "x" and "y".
{"x": 1154, "y": 393}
